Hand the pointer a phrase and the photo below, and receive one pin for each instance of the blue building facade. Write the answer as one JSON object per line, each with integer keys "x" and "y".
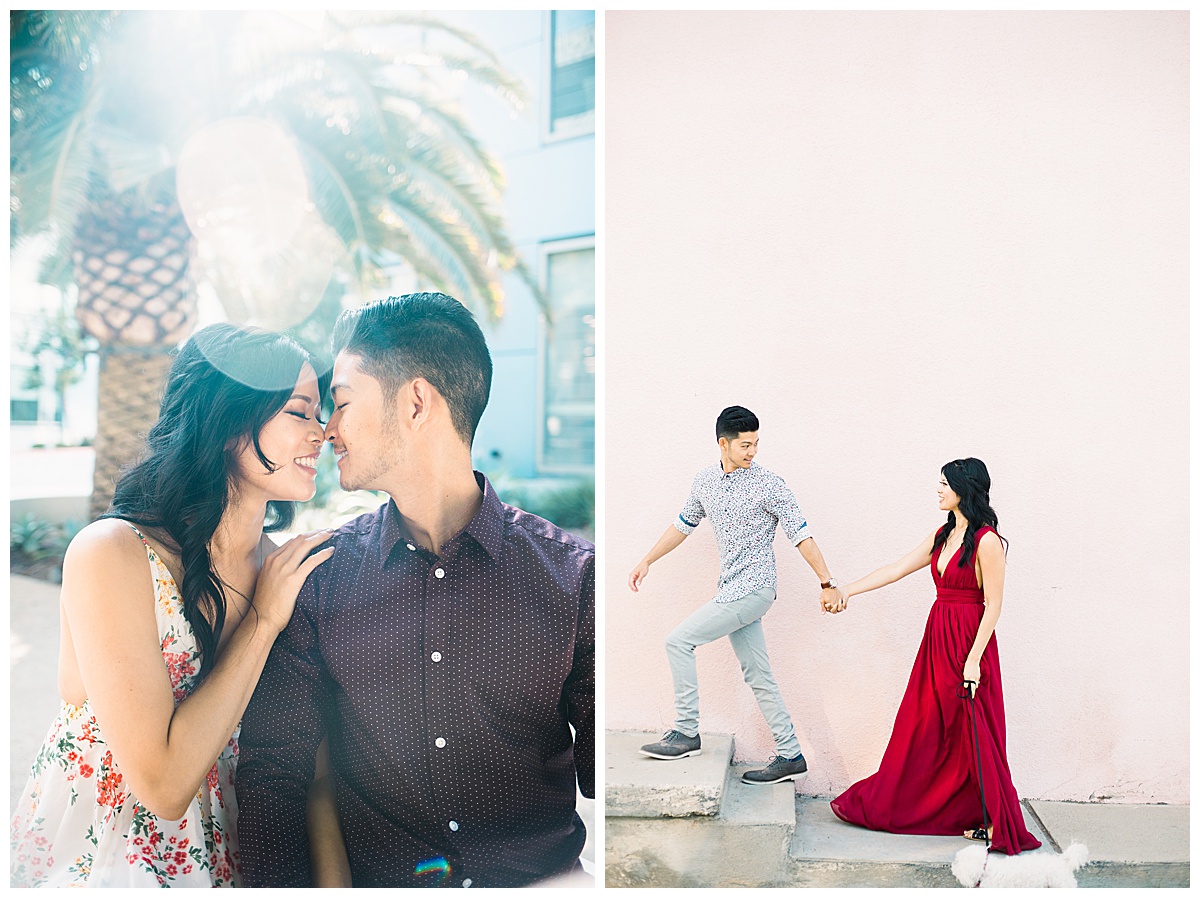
{"x": 540, "y": 422}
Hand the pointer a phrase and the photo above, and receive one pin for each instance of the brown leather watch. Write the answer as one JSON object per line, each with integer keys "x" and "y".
{"x": 830, "y": 584}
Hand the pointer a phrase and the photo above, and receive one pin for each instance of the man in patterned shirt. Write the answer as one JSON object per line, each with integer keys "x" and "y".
{"x": 744, "y": 502}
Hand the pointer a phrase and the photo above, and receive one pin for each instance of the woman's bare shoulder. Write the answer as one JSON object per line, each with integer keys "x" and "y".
{"x": 105, "y": 558}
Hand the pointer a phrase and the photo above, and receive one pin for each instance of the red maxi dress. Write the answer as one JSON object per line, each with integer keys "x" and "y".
{"x": 927, "y": 782}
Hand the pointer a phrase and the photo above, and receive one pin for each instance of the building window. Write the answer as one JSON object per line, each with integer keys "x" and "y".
{"x": 23, "y": 405}
{"x": 570, "y": 107}
{"x": 23, "y": 411}
{"x": 568, "y": 428}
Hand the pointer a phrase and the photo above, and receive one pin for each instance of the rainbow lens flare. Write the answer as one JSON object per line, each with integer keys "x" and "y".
{"x": 435, "y": 869}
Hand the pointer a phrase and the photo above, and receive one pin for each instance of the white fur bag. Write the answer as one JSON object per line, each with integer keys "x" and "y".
{"x": 1030, "y": 869}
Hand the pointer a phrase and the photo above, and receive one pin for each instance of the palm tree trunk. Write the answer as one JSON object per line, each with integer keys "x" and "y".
{"x": 131, "y": 383}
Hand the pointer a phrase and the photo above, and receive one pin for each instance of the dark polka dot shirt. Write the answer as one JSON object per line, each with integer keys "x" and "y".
{"x": 458, "y": 696}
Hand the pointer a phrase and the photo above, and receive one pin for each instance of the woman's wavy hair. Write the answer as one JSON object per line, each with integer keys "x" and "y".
{"x": 969, "y": 479}
{"x": 224, "y": 385}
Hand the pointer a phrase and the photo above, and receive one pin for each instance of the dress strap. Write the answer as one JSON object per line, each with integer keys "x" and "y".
{"x": 149, "y": 548}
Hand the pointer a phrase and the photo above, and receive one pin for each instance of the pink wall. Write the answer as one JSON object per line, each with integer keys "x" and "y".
{"x": 902, "y": 238}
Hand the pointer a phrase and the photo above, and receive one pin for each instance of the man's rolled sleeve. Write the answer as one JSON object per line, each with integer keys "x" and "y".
{"x": 691, "y": 516}
{"x": 281, "y": 731}
{"x": 580, "y": 687}
{"x": 782, "y": 504}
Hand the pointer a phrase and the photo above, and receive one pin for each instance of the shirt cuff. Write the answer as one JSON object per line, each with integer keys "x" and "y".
{"x": 683, "y": 526}
{"x": 800, "y": 535}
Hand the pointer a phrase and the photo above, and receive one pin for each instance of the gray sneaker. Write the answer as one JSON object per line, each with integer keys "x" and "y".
{"x": 777, "y": 771}
{"x": 672, "y": 746}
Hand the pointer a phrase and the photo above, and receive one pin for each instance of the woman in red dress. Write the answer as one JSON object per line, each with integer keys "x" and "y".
{"x": 928, "y": 780}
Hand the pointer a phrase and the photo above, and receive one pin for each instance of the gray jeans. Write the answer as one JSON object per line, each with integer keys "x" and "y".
{"x": 740, "y": 621}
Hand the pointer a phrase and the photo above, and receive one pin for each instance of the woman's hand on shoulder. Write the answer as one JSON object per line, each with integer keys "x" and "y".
{"x": 283, "y": 573}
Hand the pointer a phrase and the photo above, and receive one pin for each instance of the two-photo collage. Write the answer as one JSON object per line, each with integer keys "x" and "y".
{"x": 599, "y": 448}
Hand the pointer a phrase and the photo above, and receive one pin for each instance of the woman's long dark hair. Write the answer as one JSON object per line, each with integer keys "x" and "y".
{"x": 226, "y": 383}
{"x": 969, "y": 479}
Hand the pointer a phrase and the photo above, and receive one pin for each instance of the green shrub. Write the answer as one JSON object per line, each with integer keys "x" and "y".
{"x": 37, "y": 546}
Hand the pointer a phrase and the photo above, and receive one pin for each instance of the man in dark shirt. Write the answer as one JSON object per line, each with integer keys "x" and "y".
{"x": 446, "y": 651}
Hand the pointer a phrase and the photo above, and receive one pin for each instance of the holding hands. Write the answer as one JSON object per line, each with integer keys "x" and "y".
{"x": 833, "y": 600}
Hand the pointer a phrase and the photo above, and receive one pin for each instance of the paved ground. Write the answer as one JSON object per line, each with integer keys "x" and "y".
{"x": 33, "y": 690}
{"x": 33, "y": 687}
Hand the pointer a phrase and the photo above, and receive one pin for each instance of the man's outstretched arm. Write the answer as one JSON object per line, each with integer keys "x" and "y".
{"x": 671, "y": 539}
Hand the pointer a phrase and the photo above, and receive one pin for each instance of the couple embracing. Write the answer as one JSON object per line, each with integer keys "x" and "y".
{"x": 929, "y": 780}
{"x": 407, "y": 700}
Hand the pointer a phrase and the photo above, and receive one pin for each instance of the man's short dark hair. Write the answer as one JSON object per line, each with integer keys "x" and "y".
{"x": 735, "y": 420}
{"x": 429, "y": 335}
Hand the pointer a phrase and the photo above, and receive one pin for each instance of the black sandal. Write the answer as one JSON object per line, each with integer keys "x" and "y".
{"x": 979, "y": 834}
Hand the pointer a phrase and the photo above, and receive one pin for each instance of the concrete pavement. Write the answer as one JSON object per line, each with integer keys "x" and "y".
{"x": 33, "y": 672}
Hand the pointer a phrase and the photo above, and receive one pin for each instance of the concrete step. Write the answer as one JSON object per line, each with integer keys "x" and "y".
{"x": 638, "y": 786}
{"x": 677, "y": 826}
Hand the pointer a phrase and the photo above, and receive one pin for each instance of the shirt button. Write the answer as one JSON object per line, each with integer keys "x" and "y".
{"x": 439, "y": 573}
{"x": 436, "y": 656}
{"x": 453, "y": 826}
{"x": 411, "y": 547}
{"x": 440, "y": 743}
{"x": 466, "y": 883}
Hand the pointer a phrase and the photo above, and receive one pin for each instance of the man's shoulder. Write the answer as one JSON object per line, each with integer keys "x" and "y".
{"x": 708, "y": 473}
{"x": 524, "y": 526}
{"x": 765, "y": 475}
{"x": 363, "y": 525}
{"x": 354, "y": 537}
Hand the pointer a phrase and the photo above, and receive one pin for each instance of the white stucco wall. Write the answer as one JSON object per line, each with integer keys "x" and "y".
{"x": 903, "y": 238}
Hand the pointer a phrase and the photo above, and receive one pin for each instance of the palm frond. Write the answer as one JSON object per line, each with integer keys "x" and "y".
{"x": 343, "y": 204}
{"x": 361, "y": 21}
{"x": 458, "y": 204}
{"x": 53, "y": 177}
{"x": 336, "y": 87}
{"x": 68, "y": 36}
{"x": 455, "y": 274}
{"x": 420, "y": 112}
{"x": 506, "y": 86}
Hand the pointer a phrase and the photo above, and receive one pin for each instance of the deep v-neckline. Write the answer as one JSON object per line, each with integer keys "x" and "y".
{"x": 938, "y": 561}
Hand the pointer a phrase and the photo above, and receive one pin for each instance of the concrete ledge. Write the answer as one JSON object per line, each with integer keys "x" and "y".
{"x": 745, "y": 846}
{"x": 638, "y": 786}
{"x": 758, "y": 805}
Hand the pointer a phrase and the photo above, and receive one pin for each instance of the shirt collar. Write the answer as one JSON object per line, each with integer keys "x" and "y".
{"x": 486, "y": 527}
{"x": 736, "y": 472}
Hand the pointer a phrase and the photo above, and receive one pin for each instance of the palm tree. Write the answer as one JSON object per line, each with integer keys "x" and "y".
{"x": 109, "y": 109}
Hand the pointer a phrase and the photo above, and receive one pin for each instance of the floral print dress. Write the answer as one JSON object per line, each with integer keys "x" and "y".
{"x": 77, "y": 823}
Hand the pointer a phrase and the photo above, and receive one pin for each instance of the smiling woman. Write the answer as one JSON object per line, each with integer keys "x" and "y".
{"x": 155, "y": 672}
{"x": 294, "y": 434}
